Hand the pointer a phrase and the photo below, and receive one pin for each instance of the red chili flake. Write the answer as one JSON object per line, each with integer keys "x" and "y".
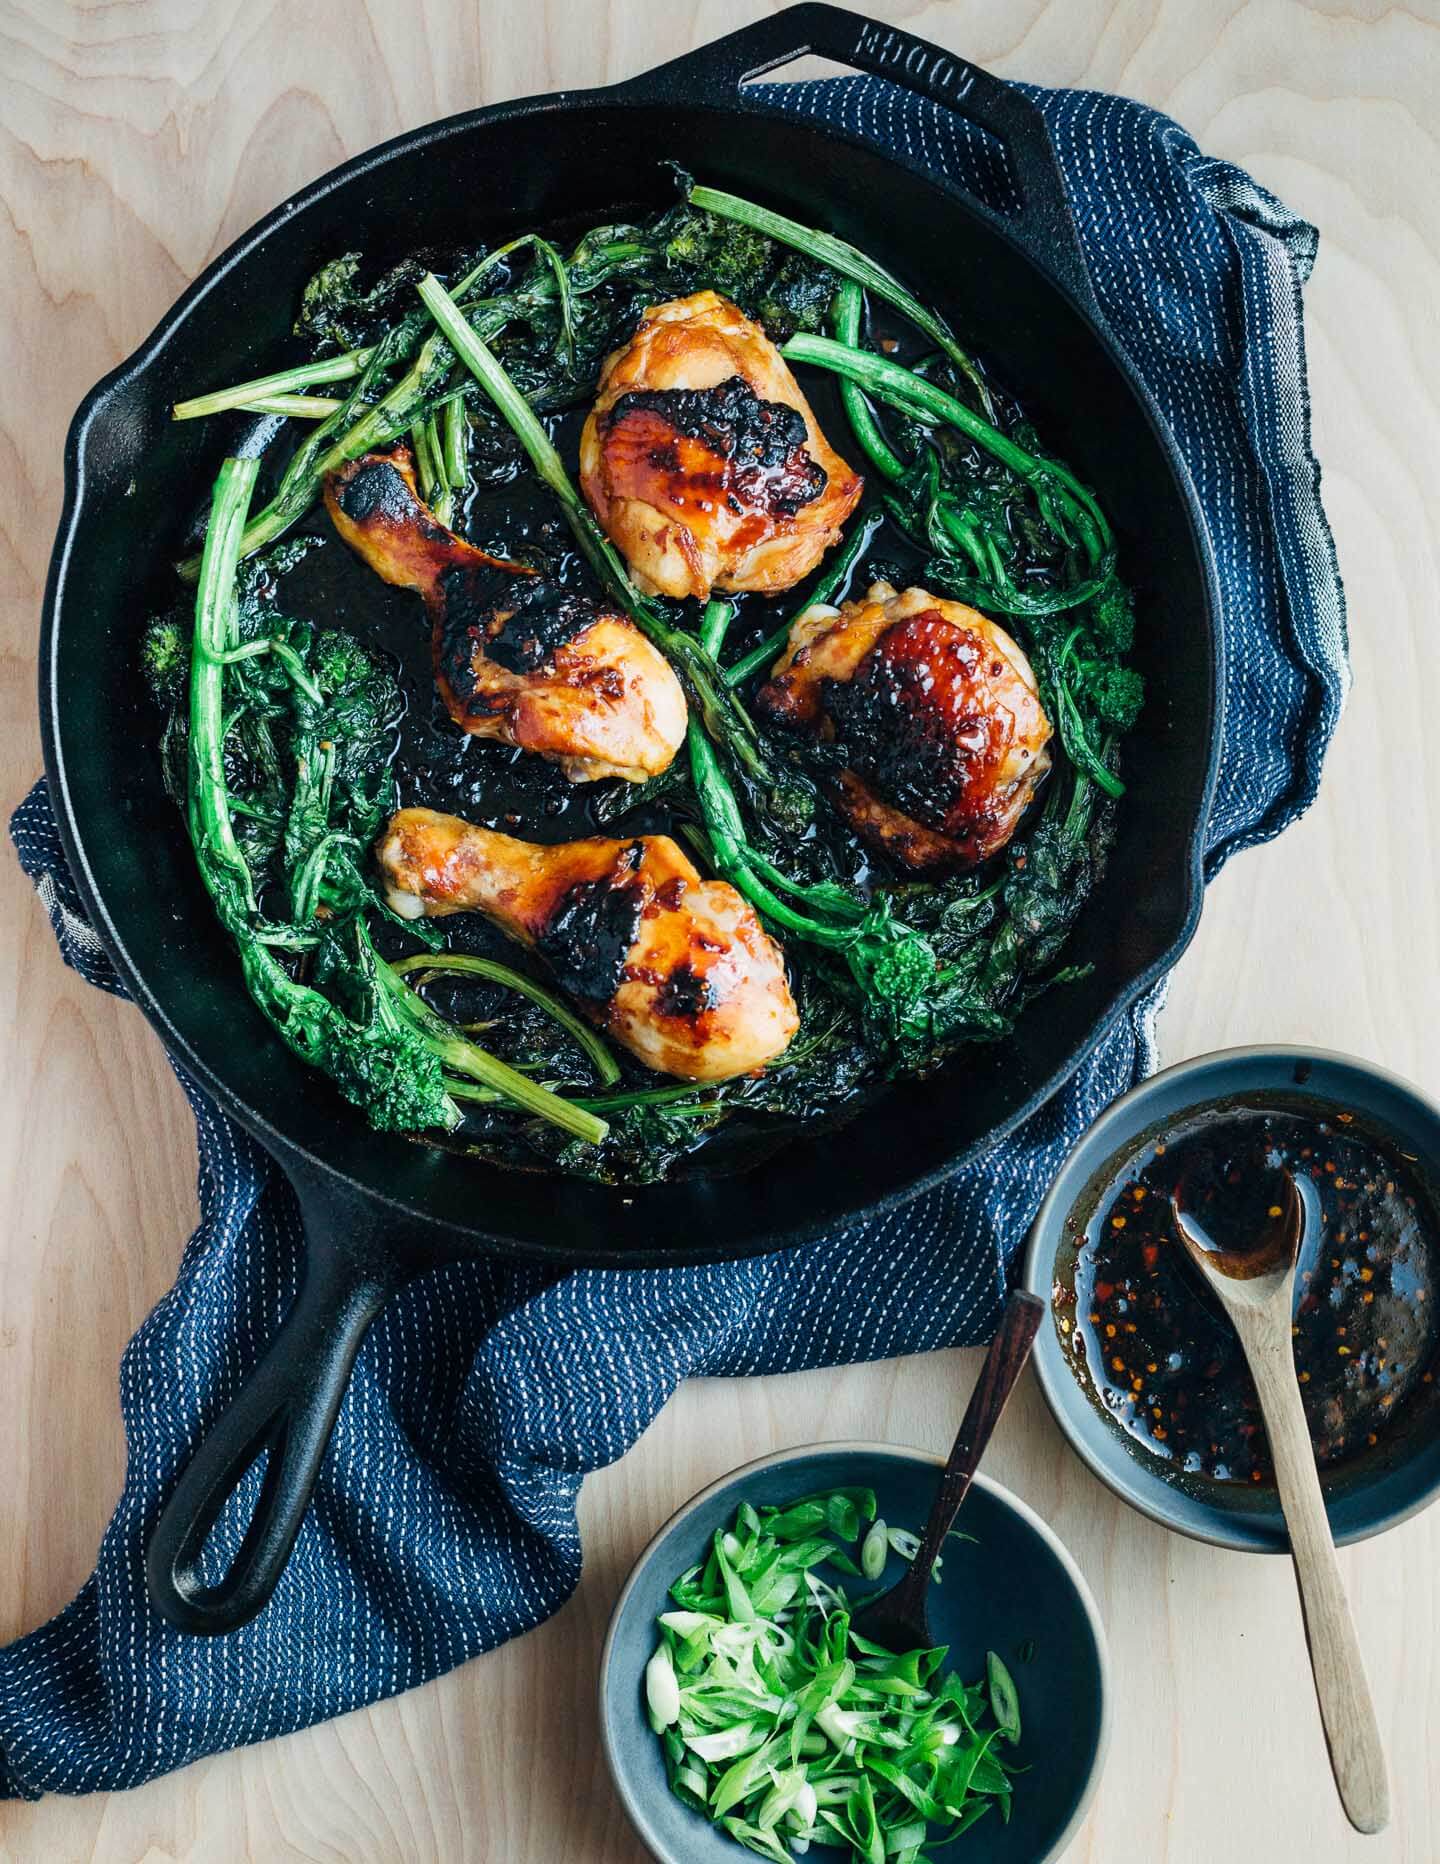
{"x": 1103, "y": 1292}
{"x": 1150, "y": 1254}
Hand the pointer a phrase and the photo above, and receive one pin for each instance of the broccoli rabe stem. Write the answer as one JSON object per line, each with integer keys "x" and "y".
{"x": 1059, "y": 494}
{"x": 285, "y": 382}
{"x": 846, "y": 317}
{"x": 465, "y": 1058}
{"x": 223, "y": 867}
{"x": 834, "y": 578}
{"x": 850, "y": 263}
{"x": 296, "y": 407}
{"x": 430, "y": 965}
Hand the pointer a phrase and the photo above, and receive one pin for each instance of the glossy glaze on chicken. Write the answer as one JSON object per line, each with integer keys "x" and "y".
{"x": 704, "y": 461}
{"x": 945, "y": 738}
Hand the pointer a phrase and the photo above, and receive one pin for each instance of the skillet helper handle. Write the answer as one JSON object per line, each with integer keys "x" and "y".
{"x": 1043, "y": 223}
{"x": 287, "y": 1406}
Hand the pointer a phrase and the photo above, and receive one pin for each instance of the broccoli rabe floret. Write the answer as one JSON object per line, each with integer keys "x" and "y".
{"x": 732, "y": 257}
{"x": 1112, "y": 618}
{"x": 165, "y": 658}
{"x": 341, "y": 662}
{"x": 1116, "y": 693}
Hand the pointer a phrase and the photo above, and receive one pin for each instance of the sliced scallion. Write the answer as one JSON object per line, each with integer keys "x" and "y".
{"x": 786, "y": 1729}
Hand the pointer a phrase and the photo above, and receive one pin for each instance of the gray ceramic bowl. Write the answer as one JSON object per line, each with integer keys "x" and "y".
{"x": 1363, "y": 1497}
{"x": 1012, "y": 1583}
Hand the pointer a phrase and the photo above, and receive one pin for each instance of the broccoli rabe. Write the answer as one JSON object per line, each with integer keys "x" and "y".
{"x": 781, "y": 289}
{"x": 1116, "y": 692}
{"x": 1112, "y": 618}
{"x": 165, "y": 658}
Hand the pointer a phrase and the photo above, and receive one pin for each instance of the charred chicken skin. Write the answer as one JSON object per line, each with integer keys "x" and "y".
{"x": 939, "y": 715}
{"x": 676, "y": 968}
{"x": 703, "y": 461}
{"x": 516, "y": 657}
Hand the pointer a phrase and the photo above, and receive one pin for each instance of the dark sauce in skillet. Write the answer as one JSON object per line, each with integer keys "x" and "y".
{"x": 1148, "y": 1339}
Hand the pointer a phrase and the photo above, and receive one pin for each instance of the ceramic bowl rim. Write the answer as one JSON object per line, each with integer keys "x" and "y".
{"x": 1151, "y": 1500}
{"x": 903, "y": 1452}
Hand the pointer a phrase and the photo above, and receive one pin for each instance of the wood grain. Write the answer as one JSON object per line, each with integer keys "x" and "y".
{"x": 135, "y": 141}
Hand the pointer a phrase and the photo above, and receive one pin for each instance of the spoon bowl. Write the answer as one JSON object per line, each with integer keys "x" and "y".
{"x": 1253, "y": 1274}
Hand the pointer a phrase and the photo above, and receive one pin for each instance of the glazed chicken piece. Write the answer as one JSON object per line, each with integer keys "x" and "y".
{"x": 702, "y": 459}
{"x": 939, "y": 714}
{"x": 677, "y": 969}
{"x": 516, "y": 657}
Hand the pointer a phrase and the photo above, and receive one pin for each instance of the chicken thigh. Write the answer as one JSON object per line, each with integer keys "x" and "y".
{"x": 939, "y": 715}
{"x": 676, "y": 968}
{"x": 516, "y": 657}
{"x": 703, "y": 461}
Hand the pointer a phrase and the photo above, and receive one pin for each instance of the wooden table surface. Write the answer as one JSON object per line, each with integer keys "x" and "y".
{"x": 136, "y": 141}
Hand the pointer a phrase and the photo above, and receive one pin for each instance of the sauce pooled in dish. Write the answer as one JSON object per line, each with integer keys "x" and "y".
{"x": 1147, "y": 1338}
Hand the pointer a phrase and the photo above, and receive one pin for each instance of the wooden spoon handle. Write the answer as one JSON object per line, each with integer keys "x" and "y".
{"x": 1352, "y": 1734}
{"x": 1004, "y": 1362}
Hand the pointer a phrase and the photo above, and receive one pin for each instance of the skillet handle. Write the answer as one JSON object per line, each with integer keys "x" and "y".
{"x": 1043, "y": 223}
{"x": 287, "y": 1406}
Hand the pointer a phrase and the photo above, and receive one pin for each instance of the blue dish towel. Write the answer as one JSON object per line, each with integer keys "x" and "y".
{"x": 445, "y": 1517}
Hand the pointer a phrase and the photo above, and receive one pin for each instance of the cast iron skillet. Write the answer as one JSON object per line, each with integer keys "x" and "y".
{"x": 379, "y": 1209}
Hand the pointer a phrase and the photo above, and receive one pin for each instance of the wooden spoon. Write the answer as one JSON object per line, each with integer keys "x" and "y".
{"x": 897, "y": 1619}
{"x": 1256, "y": 1288}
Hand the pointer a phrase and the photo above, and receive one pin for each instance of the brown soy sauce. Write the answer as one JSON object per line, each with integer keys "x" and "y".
{"x": 1147, "y": 1338}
